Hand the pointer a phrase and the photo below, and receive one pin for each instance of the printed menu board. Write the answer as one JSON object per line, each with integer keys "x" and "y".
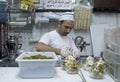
{"x": 58, "y": 4}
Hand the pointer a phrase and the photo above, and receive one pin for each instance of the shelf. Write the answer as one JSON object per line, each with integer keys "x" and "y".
{"x": 20, "y": 19}
{"x": 53, "y": 10}
{"x": 106, "y": 10}
{"x": 15, "y": 10}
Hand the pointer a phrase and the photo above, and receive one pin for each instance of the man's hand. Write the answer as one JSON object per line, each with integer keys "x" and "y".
{"x": 76, "y": 54}
{"x": 69, "y": 51}
{"x": 65, "y": 51}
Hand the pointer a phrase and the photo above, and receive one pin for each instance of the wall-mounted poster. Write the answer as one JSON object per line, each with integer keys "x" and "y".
{"x": 58, "y": 4}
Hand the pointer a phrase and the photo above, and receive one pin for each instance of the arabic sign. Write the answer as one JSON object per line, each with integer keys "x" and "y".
{"x": 58, "y": 4}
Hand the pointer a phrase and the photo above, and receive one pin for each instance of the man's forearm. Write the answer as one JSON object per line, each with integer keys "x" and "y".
{"x": 43, "y": 47}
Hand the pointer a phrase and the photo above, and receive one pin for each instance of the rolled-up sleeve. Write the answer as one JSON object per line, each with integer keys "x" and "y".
{"x": 45, "y": 39}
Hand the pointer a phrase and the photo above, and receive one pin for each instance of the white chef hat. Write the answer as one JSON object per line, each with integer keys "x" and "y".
{"x": 67, "y": 16}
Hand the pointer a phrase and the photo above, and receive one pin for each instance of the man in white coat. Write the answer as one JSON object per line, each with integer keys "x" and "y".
{"x": 57, "y": 40}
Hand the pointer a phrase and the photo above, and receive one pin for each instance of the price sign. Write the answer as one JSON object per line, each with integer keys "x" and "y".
{"x": 58, "y": 4}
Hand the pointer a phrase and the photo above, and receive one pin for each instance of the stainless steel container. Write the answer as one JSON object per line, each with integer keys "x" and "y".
{"x": 12, "y": 45}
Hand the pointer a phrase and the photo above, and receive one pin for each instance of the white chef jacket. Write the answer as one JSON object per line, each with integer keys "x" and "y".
{"x": 54, "y": 39}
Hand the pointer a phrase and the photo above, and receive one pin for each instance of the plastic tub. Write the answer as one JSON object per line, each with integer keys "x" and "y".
{"x": 36, "y": 68}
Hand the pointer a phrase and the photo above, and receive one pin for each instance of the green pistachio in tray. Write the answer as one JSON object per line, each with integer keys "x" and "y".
{"x": 38, "y": 56}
